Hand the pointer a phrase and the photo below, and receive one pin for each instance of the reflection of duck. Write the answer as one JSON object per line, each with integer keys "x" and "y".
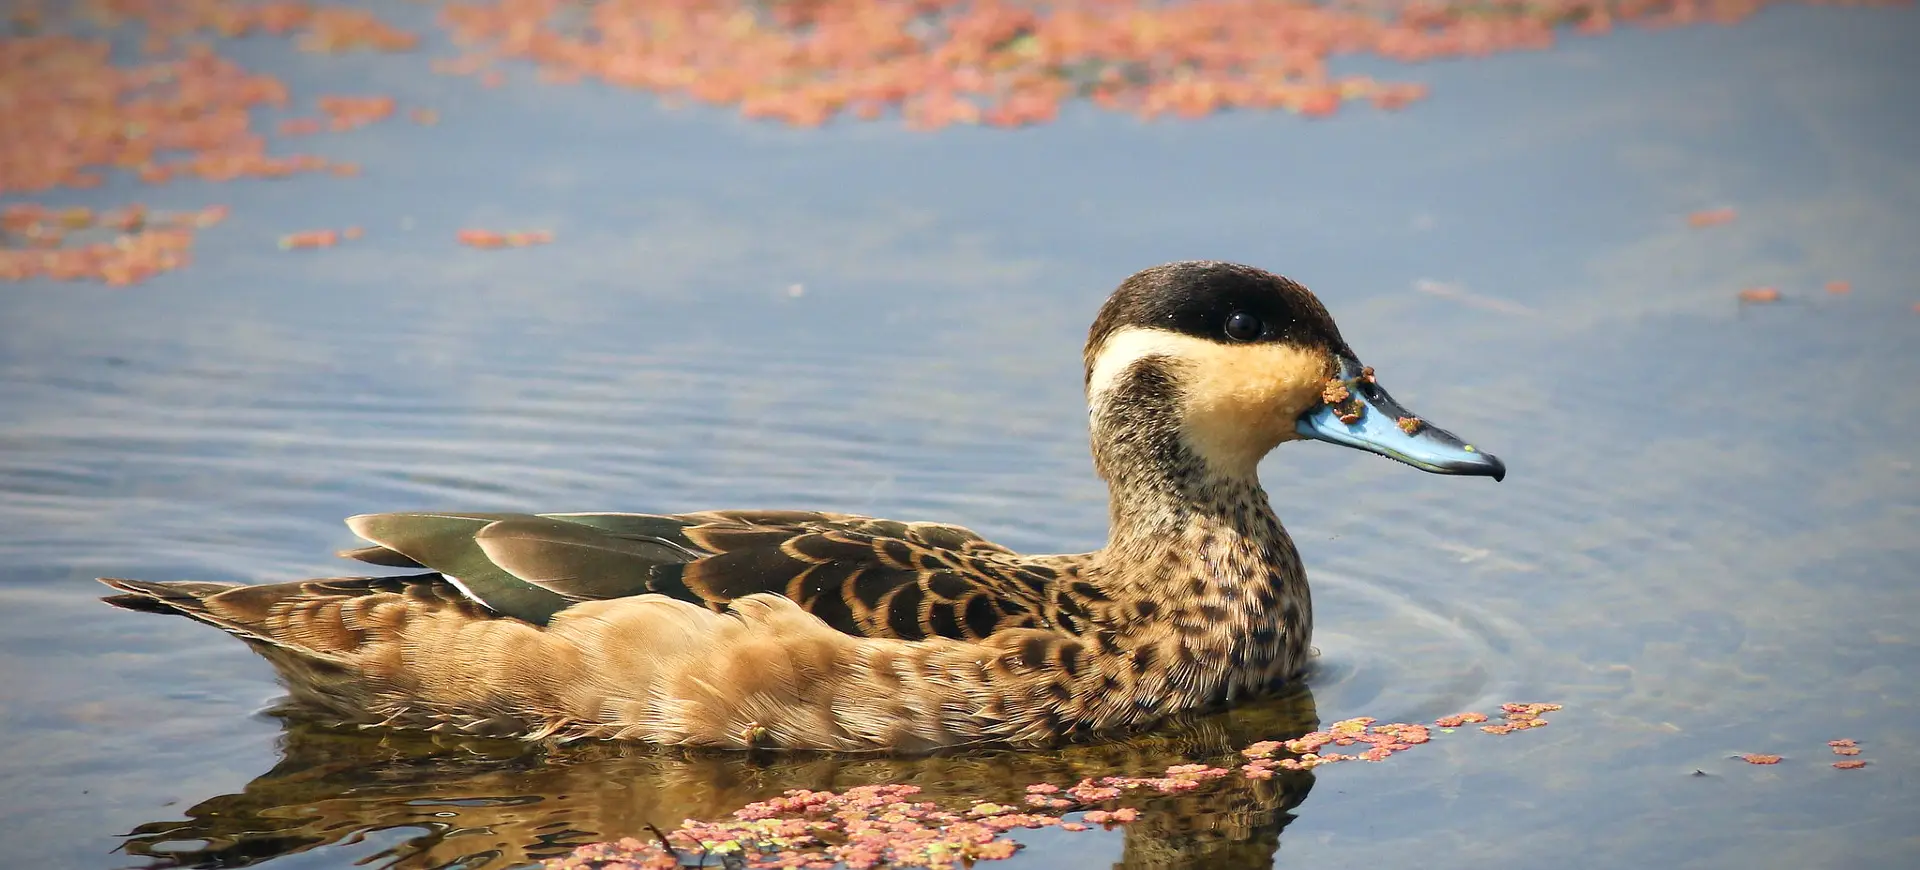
{"x": 413, "y": 801}
{"x": 831, "y": 631}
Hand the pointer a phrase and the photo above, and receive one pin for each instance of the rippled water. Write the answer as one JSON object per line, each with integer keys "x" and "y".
{"x": 1706, "y": 545}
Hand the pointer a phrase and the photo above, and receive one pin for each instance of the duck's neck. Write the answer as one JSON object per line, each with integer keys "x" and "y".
{"x": 1197, "y": 560}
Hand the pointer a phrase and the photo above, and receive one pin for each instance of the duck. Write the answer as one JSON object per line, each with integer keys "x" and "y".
{"x": 808, "y": 630}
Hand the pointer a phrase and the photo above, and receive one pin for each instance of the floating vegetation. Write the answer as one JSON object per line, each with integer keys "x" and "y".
{"x": 488, "y": 239}
{"x": 116, "y": 247}
{"x": 1712, "y": 217}
{"x": 317, "y": 238}
{"x": 186, "y": 111}
{"x": 185, "y": 117}
{"x": 1846, "y": 748}
{"x": 1760, "y": 295}
{"x": 884, "y": 826}
{"x": 1520, "y": 717}
{"x": 944, "y": 62}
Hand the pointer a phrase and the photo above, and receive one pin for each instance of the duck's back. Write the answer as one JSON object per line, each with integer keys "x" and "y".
{"x": 717, "y": 628}
{"x": 864, "y": 576}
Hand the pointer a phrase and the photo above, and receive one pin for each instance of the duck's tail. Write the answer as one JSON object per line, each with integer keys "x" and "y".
{"x": 184, "y": 598}
{"x": 196, "y": 600}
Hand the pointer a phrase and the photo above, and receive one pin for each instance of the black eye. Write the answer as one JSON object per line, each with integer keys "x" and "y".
{"x": 1242, "y": 326}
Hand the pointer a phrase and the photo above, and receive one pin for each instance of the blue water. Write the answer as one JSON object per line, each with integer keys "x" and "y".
{"x": 1705, "y": 546}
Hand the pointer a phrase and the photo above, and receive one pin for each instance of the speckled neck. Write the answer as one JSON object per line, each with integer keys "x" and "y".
{"x": 1196, "y": 558}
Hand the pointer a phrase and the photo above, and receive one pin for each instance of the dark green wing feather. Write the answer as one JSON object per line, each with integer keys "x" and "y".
{"x": 445, "y": 542}
{"x": 864, "y": 576}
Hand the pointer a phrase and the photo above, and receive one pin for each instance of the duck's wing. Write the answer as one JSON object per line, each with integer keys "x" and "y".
{"x": 863, "y": 576}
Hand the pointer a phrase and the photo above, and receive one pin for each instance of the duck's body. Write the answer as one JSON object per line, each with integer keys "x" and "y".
{"x": 832, "y": 631}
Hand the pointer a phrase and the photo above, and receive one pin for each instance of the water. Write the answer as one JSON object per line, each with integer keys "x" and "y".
{"x": 1705, "y": 546}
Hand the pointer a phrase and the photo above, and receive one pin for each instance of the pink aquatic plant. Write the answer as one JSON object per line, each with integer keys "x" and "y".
{"x": 882, "y": 826}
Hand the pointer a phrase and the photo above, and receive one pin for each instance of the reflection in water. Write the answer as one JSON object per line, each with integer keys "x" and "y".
{"x": 498, "y": 803}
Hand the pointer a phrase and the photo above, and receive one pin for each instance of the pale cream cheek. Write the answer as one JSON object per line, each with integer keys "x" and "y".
{"x": 1243, "y": 400}
{"x": 1240, "y": 400}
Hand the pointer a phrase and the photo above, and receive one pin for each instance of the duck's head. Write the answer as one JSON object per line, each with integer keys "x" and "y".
{"x": 1220, "y": 363}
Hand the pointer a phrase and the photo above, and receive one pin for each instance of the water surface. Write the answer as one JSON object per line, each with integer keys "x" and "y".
{"x": 1705, "y": 546}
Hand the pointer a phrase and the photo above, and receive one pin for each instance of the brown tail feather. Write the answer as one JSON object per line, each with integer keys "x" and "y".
{"x": 183, "y": 597}
{"x": 186, "y": 598}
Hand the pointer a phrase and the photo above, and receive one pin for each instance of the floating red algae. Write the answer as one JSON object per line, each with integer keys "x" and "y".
{"x": 489, "y": 239}
{"x": 1516, "y": 717}
{"x": 317, "y": 28}
{"x": 1411, "y": 425}
{"x": 1839, "y": 287}
{"x": 90, "y": 114}
{"x": 1760, "y": 295}
{"x": 342, "y": 113}
{"x": 317, "y": 238}
{"x": 1382, "y": 741}
{"x": 1849, "y": 765}
{"x": 1757, "y": 758}
{"x": 338, "y": 29}
{"x": 348, "y": 113}
{"x": 866, "y": 826}
{"x": 943, "y": 62}
{"x": 1712, "y": 217}
{"x": 1459, "y": 719}
{"x": 1119, "y": 816}
{"x": 301, "y": 126}
{"x": 310, "y": 239}
{"x": 626, "y": 853}
{"x": 1840, "y": 743}
{"x": 872, "y": 826}
{"x": 39, "y": 242}
{"x": 481, "y": 239}
{"x": 188, "y": 114}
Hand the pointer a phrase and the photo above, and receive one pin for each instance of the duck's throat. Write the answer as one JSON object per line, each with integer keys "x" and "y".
{"x": 1211, "y": 583}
